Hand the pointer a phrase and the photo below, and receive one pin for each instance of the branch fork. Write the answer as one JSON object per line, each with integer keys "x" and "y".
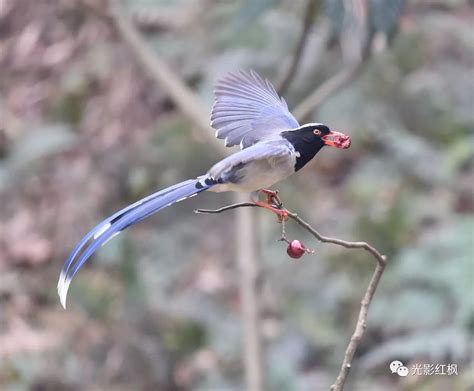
{"x": 361, "y": 324}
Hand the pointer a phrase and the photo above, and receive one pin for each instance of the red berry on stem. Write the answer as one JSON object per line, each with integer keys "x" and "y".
{"x": 296, "y": 249}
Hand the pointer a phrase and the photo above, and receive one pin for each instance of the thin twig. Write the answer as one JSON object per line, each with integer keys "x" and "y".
{"x": 361, "y": 325}
{"x": 310, "y": 12}
{"x": 228, "y": 207}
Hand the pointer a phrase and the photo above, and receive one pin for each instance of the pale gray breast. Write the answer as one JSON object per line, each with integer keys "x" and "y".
{"x": 259, "y": 174}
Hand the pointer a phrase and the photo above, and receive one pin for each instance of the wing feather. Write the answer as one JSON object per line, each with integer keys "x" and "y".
{"x": 247, "y": 109}
{"x": 260, "y": 151}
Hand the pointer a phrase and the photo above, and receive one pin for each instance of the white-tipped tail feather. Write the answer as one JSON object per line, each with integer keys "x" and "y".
{"x": 104, "y": 228}
{"x": 63, "y": 287}
{"x": 111, "y": 227}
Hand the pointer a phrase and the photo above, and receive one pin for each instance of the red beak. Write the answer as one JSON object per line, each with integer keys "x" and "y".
{"x": 336, "y": 139}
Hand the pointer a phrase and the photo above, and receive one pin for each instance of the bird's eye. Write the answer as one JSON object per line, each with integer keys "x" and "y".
{"x": 317, "y": 132}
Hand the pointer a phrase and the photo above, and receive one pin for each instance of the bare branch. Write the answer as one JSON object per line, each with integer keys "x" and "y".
{"x": 341, "y": 79}
{"x": 247, "y": 256}
{"x": 361, "y": 326}
{"x": 324, "y": 239}
{"x": 188, "y": 102}
{"x": 366, "y": 300}
{"x": 250, "y": 274}
{"x": 310, "y": 12}
{"x": 225, "y": 208}
{"x": 303, "y": 110}
{"x": 154, "y": 17}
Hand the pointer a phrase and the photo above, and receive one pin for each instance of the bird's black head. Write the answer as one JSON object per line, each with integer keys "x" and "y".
{"x": 310, "y": 138}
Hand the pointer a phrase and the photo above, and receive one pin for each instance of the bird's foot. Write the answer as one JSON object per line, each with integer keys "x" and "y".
{"x": 272, "y": 197}
{"x": 282, "y": 214}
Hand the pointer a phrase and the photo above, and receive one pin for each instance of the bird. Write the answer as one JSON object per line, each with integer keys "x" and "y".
{"x": 247, "y": 112}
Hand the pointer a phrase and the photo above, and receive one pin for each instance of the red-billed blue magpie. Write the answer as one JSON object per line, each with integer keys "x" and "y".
{"x": 248, "y": 112}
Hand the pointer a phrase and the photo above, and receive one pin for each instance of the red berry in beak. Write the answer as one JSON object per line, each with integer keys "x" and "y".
{"x": 296, "y": 249}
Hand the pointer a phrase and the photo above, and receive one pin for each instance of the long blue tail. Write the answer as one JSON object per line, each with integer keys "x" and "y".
{"x": 132, "y": 214}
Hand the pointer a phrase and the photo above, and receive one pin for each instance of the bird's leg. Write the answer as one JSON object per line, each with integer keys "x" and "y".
{"x": 273, "y": 203}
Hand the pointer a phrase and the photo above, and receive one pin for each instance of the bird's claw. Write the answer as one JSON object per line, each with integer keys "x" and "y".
{"x": 274, "y": 204}
{"x": 282, "y": 215}
{"x": 272, "y": 197}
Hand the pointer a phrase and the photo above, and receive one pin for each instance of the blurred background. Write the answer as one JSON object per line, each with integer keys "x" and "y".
{"x": 86, "y": 130}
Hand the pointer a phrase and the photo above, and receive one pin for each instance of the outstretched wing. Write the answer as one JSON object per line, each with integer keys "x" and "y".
{"x": 247, "y": 109}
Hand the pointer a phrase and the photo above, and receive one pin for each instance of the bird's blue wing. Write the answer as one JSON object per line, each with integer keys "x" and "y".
{"x": 247, "y": 109}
